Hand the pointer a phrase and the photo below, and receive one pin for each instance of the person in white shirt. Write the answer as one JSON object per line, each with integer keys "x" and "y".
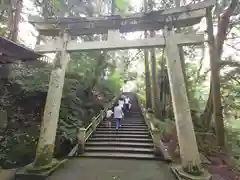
{"x": 127, "y": 104}
{"x": 109, "y": 118}
{"x": 118, "y": 115}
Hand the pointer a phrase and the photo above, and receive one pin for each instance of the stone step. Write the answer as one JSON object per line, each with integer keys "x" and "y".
{"x": 133, "y": 115}
{"x": 122, "y": 129}
{"x": 130, "y": 122}
{"x": 118, "y": 149}
{"x": 119, "y": 155}
{"x": 121, "y": 135}
{"x": 135, "y": 112}
{"x": 125, "y": 126}
{"x": 130, "y": 119}
{"x": 121, "y": 132}
{"x": 120, "y": 144}
{"x": 120, "y": 139}
{"x": 113, "y": 124}
{"x": 7, "y": 174}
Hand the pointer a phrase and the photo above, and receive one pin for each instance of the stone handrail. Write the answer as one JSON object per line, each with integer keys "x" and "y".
{"x": 159, "y": 148}
{"x": 85, "y": 133}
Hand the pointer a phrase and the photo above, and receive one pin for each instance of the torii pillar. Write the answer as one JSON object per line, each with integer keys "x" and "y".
{"x": 190, "y": 158}
{"x": 45, "y": 148}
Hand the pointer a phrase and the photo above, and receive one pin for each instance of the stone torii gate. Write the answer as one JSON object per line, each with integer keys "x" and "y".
{"x": 168, "y": 19}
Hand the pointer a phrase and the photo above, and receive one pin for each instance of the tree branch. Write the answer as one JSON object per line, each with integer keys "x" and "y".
{"x": 235, "y": 79}
{"x": 223, "y": 25}
{"x": 233, "y": 47}
{"x": 230, "y": 63}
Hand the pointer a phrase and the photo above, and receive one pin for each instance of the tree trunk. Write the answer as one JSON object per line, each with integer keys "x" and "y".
{"x": 190, "y": 158}
{"x": 155, "y": 96}
{"x": 156, "y": 103}
{"x": 51, "y": 112}
{"x": 223, "y": 26}
{"x": 147, "y": 80}
{"x": 206, "y": 116}
{"x": 147, "y": 71}
{"x": 215, "y": 78}
{"x": 16, "y": 20}
{"x": 164, "y": 101}
{"x": 181, "y": 54}
{"x": 13, "y": 26}
{"x": 163, "y": 91}
{"x": 113, "y": 7}
{"x": 10, "y": 20}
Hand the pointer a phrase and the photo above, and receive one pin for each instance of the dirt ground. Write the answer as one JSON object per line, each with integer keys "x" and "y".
{"x": 216, "y": 165}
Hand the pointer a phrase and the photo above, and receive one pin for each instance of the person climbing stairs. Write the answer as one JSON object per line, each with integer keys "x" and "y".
{"x": 131, "y": 140}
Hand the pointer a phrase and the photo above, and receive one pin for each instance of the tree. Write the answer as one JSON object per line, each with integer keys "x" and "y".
{"x": 147, "y": 71}
{"x": 155, "y": 94}
{"x": 214, "y": 100}
{"x": 16, "y": 20}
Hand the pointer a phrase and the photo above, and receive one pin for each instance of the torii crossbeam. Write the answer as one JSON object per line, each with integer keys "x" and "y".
{"x": 111, "y": 44}
{"x": 76, "y": 26}
{"x": 177, "y": 17}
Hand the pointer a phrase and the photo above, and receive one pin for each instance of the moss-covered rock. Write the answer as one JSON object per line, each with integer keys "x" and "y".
{"x": 193, "y": 170}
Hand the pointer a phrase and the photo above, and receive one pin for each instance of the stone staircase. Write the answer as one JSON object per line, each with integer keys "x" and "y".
{"x": 132, "y": 140}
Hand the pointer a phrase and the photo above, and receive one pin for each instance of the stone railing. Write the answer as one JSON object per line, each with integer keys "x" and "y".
{"x": 159, "y": 148}
{"x": 85, "y": 133}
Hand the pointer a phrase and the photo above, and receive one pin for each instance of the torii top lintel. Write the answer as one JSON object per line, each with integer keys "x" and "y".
{"x": 177, "y": 17}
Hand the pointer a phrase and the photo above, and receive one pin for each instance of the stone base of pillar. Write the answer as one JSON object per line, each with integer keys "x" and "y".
{"x": 80, "y": 149}
{"x": 182, "y": 175}
{"x": 37, "y": 173}
{"x": 157, "y": 151}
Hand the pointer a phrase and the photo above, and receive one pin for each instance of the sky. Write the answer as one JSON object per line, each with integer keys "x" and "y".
{"x": 25, "y": 28}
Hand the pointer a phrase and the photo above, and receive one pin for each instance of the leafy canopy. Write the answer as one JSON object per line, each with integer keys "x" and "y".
{"x": 122, "y": 5}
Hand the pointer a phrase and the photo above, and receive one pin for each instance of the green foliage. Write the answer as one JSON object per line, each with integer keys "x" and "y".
{"x": 165, "y": 127}
{"x": 31, "y": 76}
{"x": 114, "y": 82}
{"x": 233, "y": 136}
{"x": 142, "y": 98}
{"x": 122, "y": 5}
{"x": 86, "y": 91}
{"x": 17, "y": 149}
